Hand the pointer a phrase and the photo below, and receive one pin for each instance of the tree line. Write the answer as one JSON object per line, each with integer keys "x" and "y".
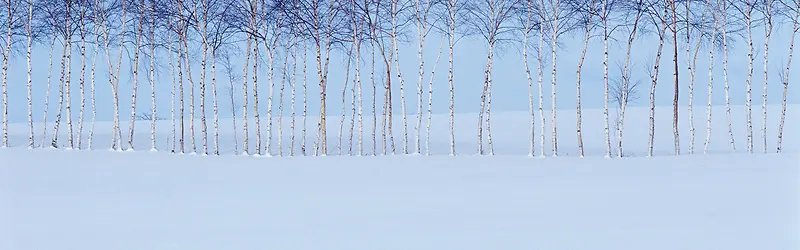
{"x": 282, "y": 33}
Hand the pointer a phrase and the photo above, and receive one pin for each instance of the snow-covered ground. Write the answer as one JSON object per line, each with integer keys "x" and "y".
{"x": 53, "y": 199}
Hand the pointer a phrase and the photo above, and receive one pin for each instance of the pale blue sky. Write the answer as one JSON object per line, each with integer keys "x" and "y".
{"x": 510, "y": 91}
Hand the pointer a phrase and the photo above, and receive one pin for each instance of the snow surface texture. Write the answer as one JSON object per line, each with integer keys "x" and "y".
{"x": 99, "y": 200}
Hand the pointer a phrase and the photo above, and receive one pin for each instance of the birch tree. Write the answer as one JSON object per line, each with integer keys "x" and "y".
{"x": 638, "y": 8}
{"x": 490, "y": 19}
{"x": 745, "y": 7}
{"x": 794, "y": 10}
{"x": 659, "y": 20}
{"x": 135, "y": 67}
{"x": 769, "y": 12}
{"x": 83, "y": 33}
{"x": 586, "y": 14}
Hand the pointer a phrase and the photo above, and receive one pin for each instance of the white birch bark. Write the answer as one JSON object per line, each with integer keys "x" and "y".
{"x": 402, "y": 90}
{"x": 96, "y": 49}
{"x": 255, "y": 99}
{"x": 690, "y": 69}
{"x": 29, "y": 87}
{"x": 786, "y": 80}
{"x": 344, "y": 97}
{"x": 68, "y": 88}
{"x": 188, "y": 67}
{"x": 626, "y": 78}
{"x": 6, "y": 58}
{"x": 203, "y": 65}
{"x": 153, "y": 109}
{"x": 182, "y": 106}
{"x": 303, "y": 133}
{"x": 117, "y": 141}
{"x": 749, "y": 82}
{"x": 246, "y": 135}
{"x": 451, "y": 36}
{"x": 430, "y": 100}
{"x": 654, "y": 77}
{"x": 421, "y": 19}
{"x": 531, "y": 108}
{"x": 579, "y": 120}
{"x": 135, "y": 66}
{"x": 280, "y": 103}
{"x": 271, "y": 79}
{"x": 293, "y": 87}
{"x": 47, "y": 94}
{"x": 605, "y": 79}
{"x": 360, "y": 100}
{"x": 174, "y": 84}
{"x": 768, "y": 33}
{"x": 725, "y": 73}
{"x": 214, "y": 100}
{"x": 374, "y": 103}
{"x": 83, "y": 75}
{"x": 554, "y": 49}
{"x": 540, "y": 66}
{"x": 710, "y": 75}
{"x": 54, "y": 141}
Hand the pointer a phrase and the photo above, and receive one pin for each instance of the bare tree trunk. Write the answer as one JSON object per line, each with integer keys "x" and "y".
{"x": 293, "y": 86}
{"x": 710, "y": 76}
{"x": 554, "y": 49}
{"x": 135, "y": 84}
{"x": 353, "y": 107}
{"x": 214, "y": 99}
{"x": 531, "y": 108}
{"x": 188, "y": 64}
{"x": 280, "y": 104}
{"x": 344, "y": 95}
{"x": 30, "y": 89}
{"x": 6, "y": 57}
{"x": 786, "y": 81}
{"x": 690, "y": 69}
{"x": 626, "y": 78}
{"x": 402, "y": 91}
{"x": 430, "y": 100}
{"x": 360, "y": 101}
{"x": 68, "y": 90}
{"x": 117, "y": 137}
{"x": 675, "y": 74}
{"x": 540, "y": 65}
{"x": 91, "y": 87}
{"x": 421, "y": 33}
{"x": 482, "y": 112}
{"x": 768, "y": 33}
{"x": 577, "y": 77}
{"x": 749, "y": 81}
{"x": 153, "y": 109}
{"x": 661, "y": 35}
{"x": 203, "y": 65}
{"x": 489, "y": 100}
{"x": 54, "y": 141}
{"x": 47, "y": 94}
{"x": 271, "y": 79}
{"x": 174, "y": 85}
{"x": 374, "y": 103}
{"x": 451, "y": 36}
{"x": 305, "y": 99}
{"x": 82, "y": 77}
{"x": 725, "y": 73}
{"x": 605, "y": 80}
{"x": 255, "y": 99}
{"x": 182, "y": 139}
{"x": 246, "y": 135}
